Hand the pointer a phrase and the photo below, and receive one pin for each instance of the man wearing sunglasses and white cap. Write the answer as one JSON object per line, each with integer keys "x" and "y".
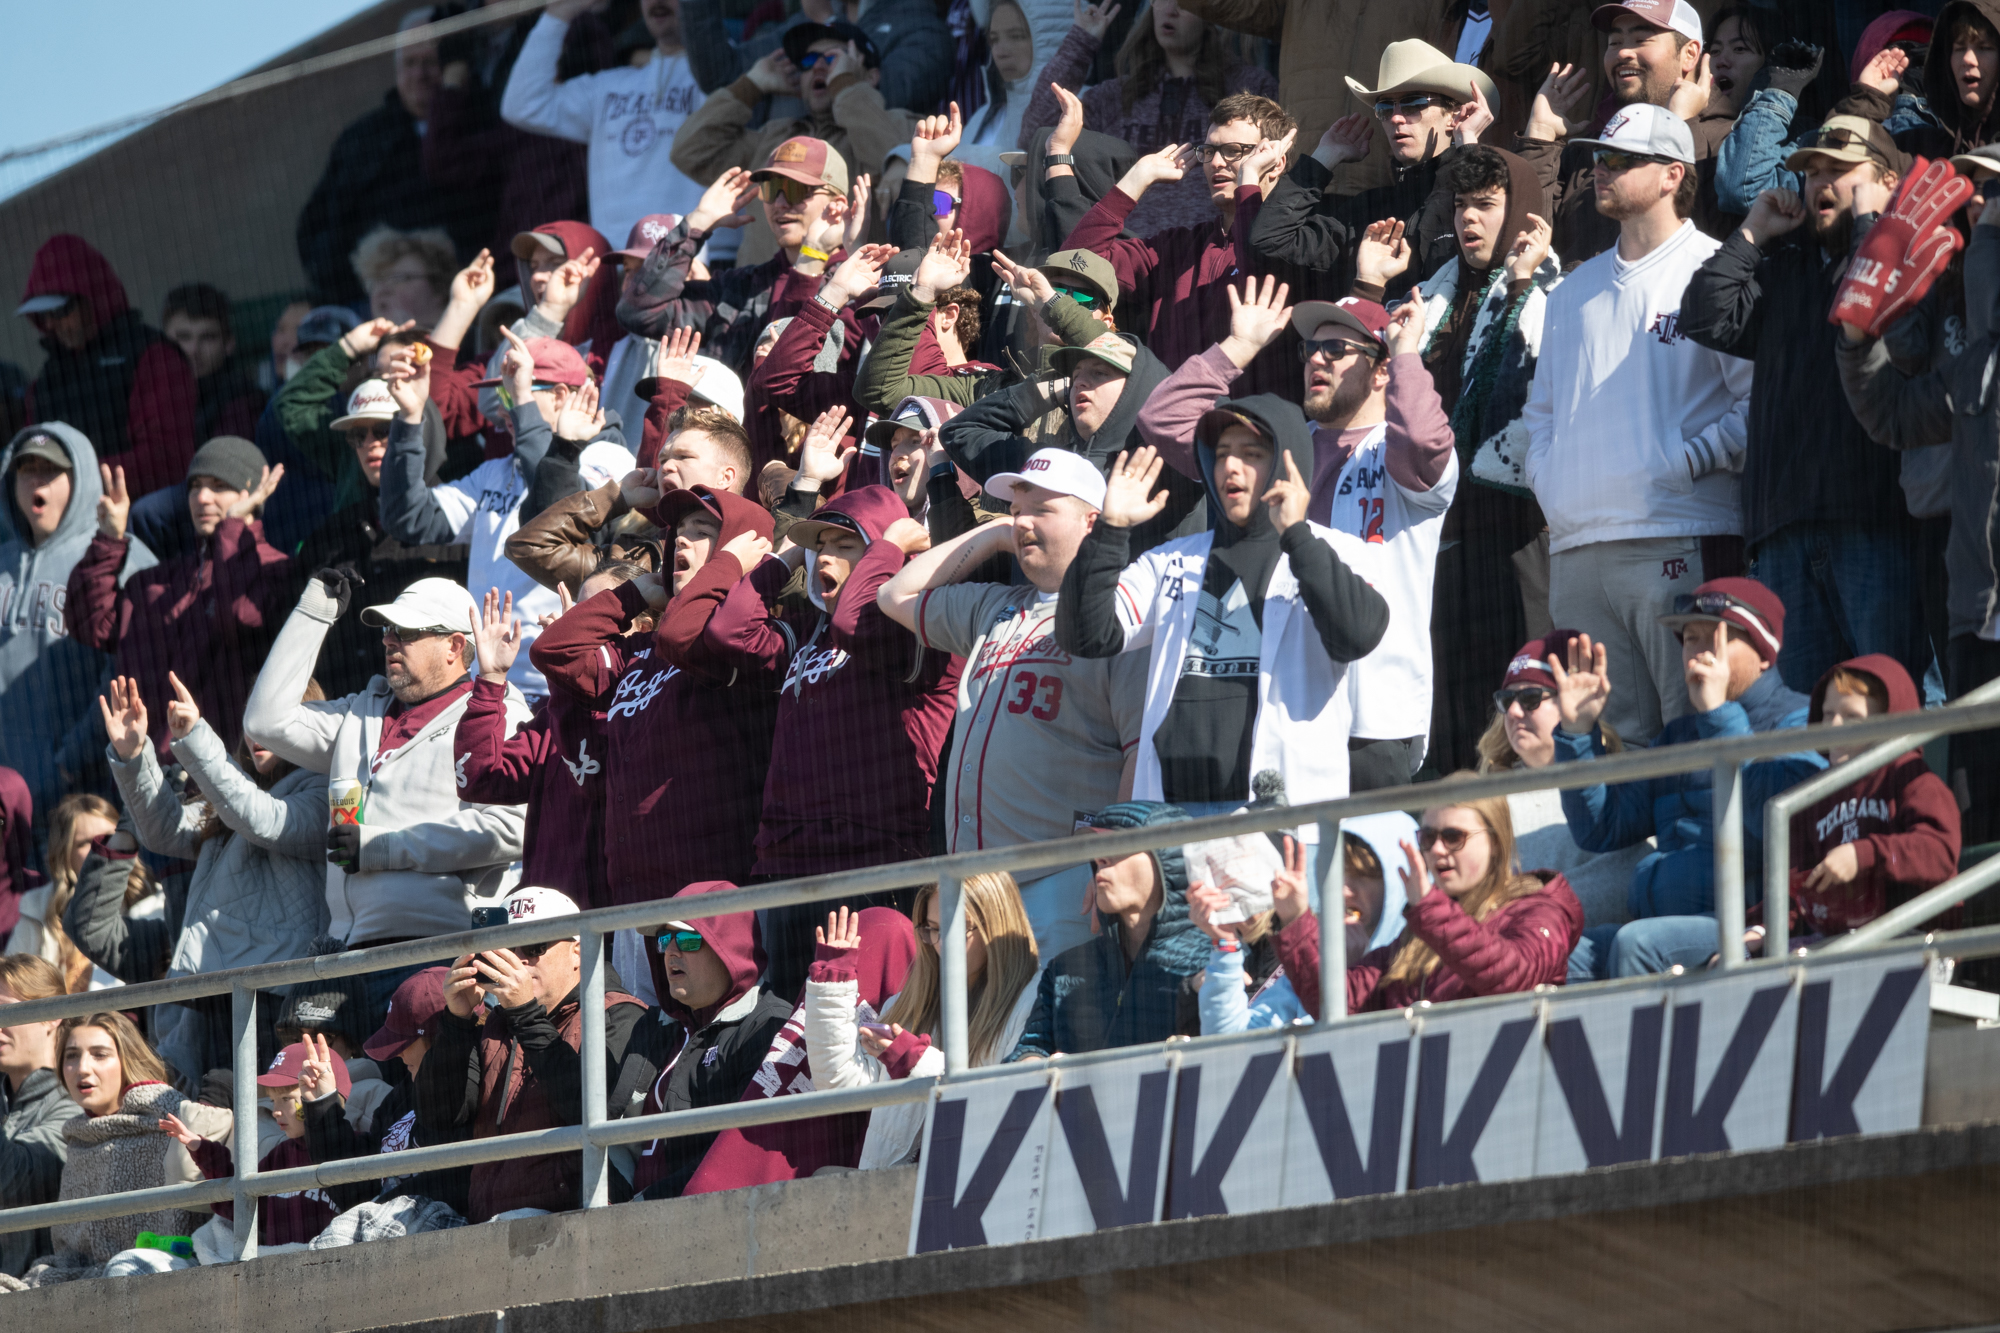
{"x": 406, "y": 857}
{"x": 1826, "y": 523}
{"x": 1041, "y": 735}
{"x": 1635, "y": 433}
{"x": 1730, "y": 631}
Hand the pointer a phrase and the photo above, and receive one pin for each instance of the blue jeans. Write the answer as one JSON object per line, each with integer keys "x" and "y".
{"x": 1847, "y": 591}
{"x": 1642, "y": 948}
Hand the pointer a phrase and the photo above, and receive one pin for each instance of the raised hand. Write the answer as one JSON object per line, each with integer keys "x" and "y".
{"x": 1287, "y": 499}
{"x": 828, "y": 234}
{"x": 517, "y": 367}
{"x": 1406, "y": 328}
{"x": 1346, "y": 140}
{"x": 172, "y": 1126}
{"x": 1474, "y": 116}
{"x": 1583, "y": 687}
{"x": 580, "y": 418}
{"x": 473, "y": 284}
{"x": 1530, "y": 248}
{"x": 1095, "y": 19}
{"x": 1884, "y": 73}
{"x": 183, "y": 712}
{"x": 1069, "y": 121}
{"x": 723, "y": 204}
{"x": 1129, "y": 499}
{"x": 464, "y": 988}
{"x": 1416, "y": 876}
{"x": 675, "y": 358}
{"x": 860, "y": 272}
{"x": 912, "y": 536}
{"x": 114, "y": 503}
{"x": 1031, "y": 286}
{"x": 508, "y": 979}
{"x": 842, "y": 930}
{"x": 1256, "y": 318}
{"x": 947, "y": 264}
{"x": 1775, "y": 213}
{"x": 639, "y": 488}
{"x": 1561, "y": 106}
{"x": 1165, "y": 164}
{"x": 847, "y": 60}
{"x": 1267, "y": 157}
{"x": 1204, "y": 901}
{"x": 366, "y": 336}
{"x": 1384, "y": 253}
{"x": 1690, "y": 97}
{"x": 1290, "y": 897}
{"x": 933, "y": 139}
{"x": 254, "y": 498}
{"x": 856, "y": 224}
{"x": 820, "y": 455}
{"x": 566, "y": 285}
{"x": 496, "y": 635}
{"x": 409, "y": 382}
{"x": 316, "y": 1076}
{"x": 1708, "y": 674}
{"x": 749, "y": 548}
{"x": 124, "y": 717}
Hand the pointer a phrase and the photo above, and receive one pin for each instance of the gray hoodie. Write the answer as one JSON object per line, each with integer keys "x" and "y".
{"x": 49, "y": 681}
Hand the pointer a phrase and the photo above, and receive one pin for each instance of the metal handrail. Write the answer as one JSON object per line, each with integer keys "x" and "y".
{"x": 1723, "y": 755}
{"x": 1778, "y": 812}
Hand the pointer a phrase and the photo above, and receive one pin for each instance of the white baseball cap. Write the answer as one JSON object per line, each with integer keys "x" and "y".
{"x": 370, "y": 401}
{"x": 1650, "y": 130}
{"x": 533, "y": 904}
{"x": 427, "y": 604}
{"x": 719, "y": 386}
{"x": 1056, "y": 470}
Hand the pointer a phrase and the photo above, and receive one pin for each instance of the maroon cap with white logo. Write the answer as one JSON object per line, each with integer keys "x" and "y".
{"x": 647, "y": 232}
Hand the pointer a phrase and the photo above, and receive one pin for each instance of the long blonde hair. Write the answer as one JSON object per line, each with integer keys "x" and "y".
{"x": 72, "y": 962}
{"x": 993, "y": 906}
{"x": 1496, "y": 752}
{"x": 1416, "y": 960}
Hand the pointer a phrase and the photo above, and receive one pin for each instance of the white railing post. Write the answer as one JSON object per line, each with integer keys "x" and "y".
{"x": 596, "y": 1181}
{"x": 951, "y": 971}
{"x": 1727, "y": 811}
{"x": 1333, "y": 927}
{"x": 243, "y": 1102}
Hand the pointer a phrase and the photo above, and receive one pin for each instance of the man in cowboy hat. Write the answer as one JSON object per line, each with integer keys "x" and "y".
{"x": 1428, "y": 107}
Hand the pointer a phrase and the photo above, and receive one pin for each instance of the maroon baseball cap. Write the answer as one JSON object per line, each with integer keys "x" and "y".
{"x": 413, "y": 1009}
{"x": 1744, "y": 603}
{"x": 291, "y": 1062}
{"x": 1363, "y": 317}
{"x": 1531, "y": 660}
{"x": 1677, "y": 15}
{"x": 808, "y": 160}
{"x": 556, "y": 362}
{"x": 647, "y": 232}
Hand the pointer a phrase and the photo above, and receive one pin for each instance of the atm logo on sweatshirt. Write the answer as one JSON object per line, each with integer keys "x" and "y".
{"x": 1667, "y": 328}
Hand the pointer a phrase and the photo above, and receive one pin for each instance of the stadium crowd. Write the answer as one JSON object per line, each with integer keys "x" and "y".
{"x": 714, "y": 452}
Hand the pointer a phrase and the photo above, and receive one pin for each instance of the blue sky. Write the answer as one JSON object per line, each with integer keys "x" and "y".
{"x": 71, "y": 64}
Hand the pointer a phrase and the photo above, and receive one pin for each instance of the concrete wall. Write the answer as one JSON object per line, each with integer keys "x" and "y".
{"x": 211, "y": 194}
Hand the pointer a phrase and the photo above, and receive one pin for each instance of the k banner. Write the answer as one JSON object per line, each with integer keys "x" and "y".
{"x": 1537, "y": 1086}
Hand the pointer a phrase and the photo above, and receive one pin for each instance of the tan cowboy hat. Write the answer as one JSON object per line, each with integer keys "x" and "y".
{"x": 1412, "y": 66}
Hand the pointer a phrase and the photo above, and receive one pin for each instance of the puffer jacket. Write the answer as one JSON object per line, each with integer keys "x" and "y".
{"x": 1678, "y": 810}
{"x": 1523, "y": 945}
{"x": 32, "y": 1149}
{"x": 126, "y": 1150}
{"x": 1091, "y": 998}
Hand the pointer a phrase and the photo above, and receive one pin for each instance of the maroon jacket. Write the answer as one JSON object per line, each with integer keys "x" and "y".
{"x": 785, "y": 381}
{"x": 282, "y": 1219}
{"x": 210, "y": 614}
{"x": 863, "y": 707}
{"x": 667, "y": 398}
{"x": 1173, "y": 285}
{"x": 555, "y": 766}
{"x": 685, "y": 753}
{"x": 1902, "y": 820}
{"x": 1523, "y": 945}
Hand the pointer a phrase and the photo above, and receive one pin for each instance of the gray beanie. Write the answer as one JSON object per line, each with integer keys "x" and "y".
{"x": 230, "y": 459}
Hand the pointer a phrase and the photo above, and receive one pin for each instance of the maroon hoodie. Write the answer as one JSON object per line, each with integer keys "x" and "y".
{"x": 794, "y": 1149}
{"x": 863, "y": 708}
{"x": 592, "y": 324}
{"x": 1902, "y": 821}
{"x": 555, "y": 766}
{"x": 685, "y": 753}
{"x": 17, "y": 847}
{"x": 786, "y": 380}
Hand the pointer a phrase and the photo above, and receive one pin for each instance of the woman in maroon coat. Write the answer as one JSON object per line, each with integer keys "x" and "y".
{"x": 1476, "y": 925}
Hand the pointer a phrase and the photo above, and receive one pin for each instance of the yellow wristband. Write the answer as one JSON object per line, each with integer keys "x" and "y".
{"x": 807, "y": 252}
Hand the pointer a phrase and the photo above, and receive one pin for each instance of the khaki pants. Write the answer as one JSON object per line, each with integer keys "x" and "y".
{"x": 1615, "y": 592}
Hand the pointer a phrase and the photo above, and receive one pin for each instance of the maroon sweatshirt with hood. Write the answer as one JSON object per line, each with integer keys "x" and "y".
{"x": 17, "y": 847}
{"x": 685, "y": 750}
{"x": 555, "y": 766}
{"x": 863, "y": 708}
{"x": 1901, "y": 819}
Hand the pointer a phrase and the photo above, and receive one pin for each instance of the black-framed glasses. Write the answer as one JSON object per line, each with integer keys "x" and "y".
{"x": 1530, "y": 697}
{"x": 1230, "y": 153}
{"x": 1453, "y": 839}
{"x": 1333, "y": 349}
{"x": 943, "y": 203}
{"x": 794, "y": 192}
{"x": 1611, "y": 159}
{"x": 1408, "y": 106}
{"x": 1089, "y": 300}
{"x": 933, "y": 935}
{"x": 680, "y": 941}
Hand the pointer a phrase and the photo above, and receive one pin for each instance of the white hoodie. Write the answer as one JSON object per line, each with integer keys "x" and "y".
{"x": 1634, "y": 429}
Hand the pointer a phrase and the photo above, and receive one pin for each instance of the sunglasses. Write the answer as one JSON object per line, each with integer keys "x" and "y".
{"x": 1530, "y": 697}
{"x": 390, "y": 634}
{"x": 1452, "y": 838}
{"x": 1407, "y": 106}
{"x": 1230, "y": 153}
{"x": 1087, "y": 299}
{"x": 1333, "y": 349}
{"x": 943, "y": 203}
{"x": 1841, "y": 137}
{"x": 1613, "y": 160}
{"x": 811, "y": 58}
{"x": 794, "y": 192}
{"x": 374, "y": 430}
{"x": 528, "y": 953}
{"x": 680, "y": 941}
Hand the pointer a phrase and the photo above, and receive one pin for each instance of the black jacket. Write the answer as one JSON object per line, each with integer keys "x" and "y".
{"x": 32, "y": 1152}
{"x": 713, "y": 1070}
{"x": 1314, "y": 233}
{"x": 731, "y": 308}
{"x": 1808, "y": 459}
{"x": 330, "y": 1137}
{"x": 91, "y": 388}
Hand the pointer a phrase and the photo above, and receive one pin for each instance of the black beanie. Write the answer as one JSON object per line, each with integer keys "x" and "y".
{"x": 230, "y": 459}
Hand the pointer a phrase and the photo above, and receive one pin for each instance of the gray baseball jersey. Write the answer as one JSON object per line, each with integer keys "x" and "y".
{"x": 1041, "y": 736}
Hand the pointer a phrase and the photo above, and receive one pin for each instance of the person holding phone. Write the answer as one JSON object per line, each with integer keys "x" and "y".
{"x": 1730, "y": 631}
